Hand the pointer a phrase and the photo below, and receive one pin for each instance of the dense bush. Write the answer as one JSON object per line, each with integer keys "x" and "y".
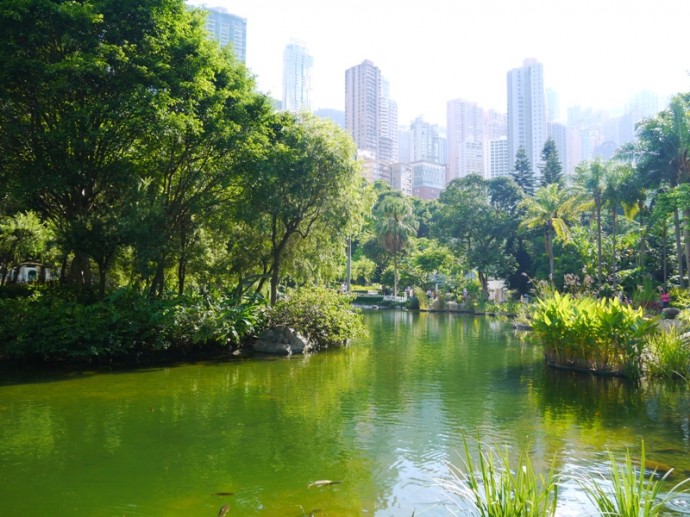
{"x": 324, "y": 316}
{"x": 51, "y": 326}
{"x": 602, "y": 335}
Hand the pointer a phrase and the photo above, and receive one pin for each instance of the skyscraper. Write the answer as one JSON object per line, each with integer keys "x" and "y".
{"x": 297, "y": 64}
{"x": 465, "y": 126}
{"x": 371, "y": 117}
{"x": 526, "y": 112}
{"x": 363, "y": 105}
{"x": 228, "y": 29}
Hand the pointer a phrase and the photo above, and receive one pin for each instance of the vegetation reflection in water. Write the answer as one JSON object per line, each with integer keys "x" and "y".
{"x": 383, "y": 417}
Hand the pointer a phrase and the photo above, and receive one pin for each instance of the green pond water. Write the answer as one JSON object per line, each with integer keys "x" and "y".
{"x": 384, "y": 417}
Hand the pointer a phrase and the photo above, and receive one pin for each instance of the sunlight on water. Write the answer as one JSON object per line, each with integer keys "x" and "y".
{"x": 384, "y": 418}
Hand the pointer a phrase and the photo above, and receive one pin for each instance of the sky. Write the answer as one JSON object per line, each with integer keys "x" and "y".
{"x": 596, "y": 53}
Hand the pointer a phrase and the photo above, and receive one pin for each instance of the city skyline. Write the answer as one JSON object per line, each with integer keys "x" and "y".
{"x": 596, "y": 53}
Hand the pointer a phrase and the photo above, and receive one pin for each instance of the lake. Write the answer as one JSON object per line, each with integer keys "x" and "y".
{"x": 384, "y": 418}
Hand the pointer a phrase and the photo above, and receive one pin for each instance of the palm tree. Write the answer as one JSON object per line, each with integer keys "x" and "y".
{"x": 591, "y": 176}
{"x": 662, "y": 155}
{"x": 550, "y": 209}
{"x": 395, "y": 224}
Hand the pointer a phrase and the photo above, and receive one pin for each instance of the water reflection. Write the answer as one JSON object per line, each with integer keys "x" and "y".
{"x": 384, "y": 417}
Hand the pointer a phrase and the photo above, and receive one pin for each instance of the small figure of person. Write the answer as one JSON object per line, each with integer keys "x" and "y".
{"x": 665, "y": 299}
{"x": 464, "y": 294}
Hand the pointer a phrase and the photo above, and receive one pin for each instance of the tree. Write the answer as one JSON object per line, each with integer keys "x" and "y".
{"x": 306, "y": 178}
{"x": 551, "y": 209}
{"x": 523, "y": 173}
{"x": 478, "y": 219}
{"x": 113, "y": 120}
{"x": 395, "y": 224}
{"x": 591, "y": 176}
{"x": 662, "y": 157}
{"x": 551, "y": 168}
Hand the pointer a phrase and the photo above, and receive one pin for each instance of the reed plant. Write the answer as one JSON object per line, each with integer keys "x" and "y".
{"x": 491, "y": 488}
{"x": 669, "y": 355}
{"x": 631, "y": 491}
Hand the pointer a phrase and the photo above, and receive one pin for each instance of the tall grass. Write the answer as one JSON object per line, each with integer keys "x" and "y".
{"x": 631, "y": 491}
{"x": 669, "y": 355}
{"x": 493, "y": 489}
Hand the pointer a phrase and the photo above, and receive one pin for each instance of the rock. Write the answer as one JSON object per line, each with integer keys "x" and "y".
{"x": 521, "y": 326}
{"x": 452, "y": 306}
{"x": 670, "y": 313}
{"x": 282, "y": 341}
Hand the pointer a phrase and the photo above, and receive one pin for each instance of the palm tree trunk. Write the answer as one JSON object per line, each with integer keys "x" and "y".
{"x": 686, "y": 238}
{"x": 679, "y": 249}
{"x": 599, "y": 259}
{"x": 395, "y": 274}
{"x": 548, "y": 242}
{"x": 613, "y": 255}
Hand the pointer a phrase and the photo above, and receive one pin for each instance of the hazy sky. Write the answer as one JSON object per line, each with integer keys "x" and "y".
{"x": 596, "y": 53}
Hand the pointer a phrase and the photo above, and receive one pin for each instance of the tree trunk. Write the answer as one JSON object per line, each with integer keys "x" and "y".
{"x": 548, "y": 244}
{"x": 158, "y": 282}
{"x": 275, "y": 277}
{"x": 686, "y": 238}
{"x": 679, "y": 250}
{"x": 181, "y": 274}
{"x": 664, "y": 256}
{"x": 599, "y": 258}
{"x": 395, "y": 274}
{"x": 101, "y": 282}
{"x": 613, "y": 257}
{"x": 80, "y": 270}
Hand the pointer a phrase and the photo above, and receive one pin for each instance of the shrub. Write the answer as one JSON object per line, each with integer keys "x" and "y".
{"x": 51, "y": 326}
{"x": 602, "y": 335}
{"x": 419, "y": 301}
{"x": 324, "y": 316}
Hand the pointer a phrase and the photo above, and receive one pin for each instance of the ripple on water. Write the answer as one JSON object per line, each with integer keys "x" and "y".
{"x": 679, "y": 503}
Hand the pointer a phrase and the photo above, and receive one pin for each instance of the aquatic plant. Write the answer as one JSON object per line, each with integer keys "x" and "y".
{"x": 631, "y": 491}
{"x": 605, "y": 336}
{"x": 669, "y": 355}
{"x": 492, "y": 488}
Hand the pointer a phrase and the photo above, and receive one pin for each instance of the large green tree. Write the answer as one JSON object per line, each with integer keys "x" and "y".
{"x": 662, "y": 157}
{"x": 306, "y": 180}
{"x": 478, "y": 220}
{"x": 111, "y": 112}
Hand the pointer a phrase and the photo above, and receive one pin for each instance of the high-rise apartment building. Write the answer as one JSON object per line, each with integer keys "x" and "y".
{"x": 297, "y": 65}
{"x": 371, "y": 117}
{"x": 498, "y": 158}
{"x": 228, "y": 29}
{"x": 363, "y": 105}
{"x": 465, "y": 126}
{"x": 527, "y": 112}
{"x": 426, "y": 142}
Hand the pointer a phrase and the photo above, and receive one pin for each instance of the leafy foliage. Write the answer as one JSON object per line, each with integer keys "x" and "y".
{"x": 323, "y": 315}
{"x": 53, "y": 326}
{"x": 602, "y": 335}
